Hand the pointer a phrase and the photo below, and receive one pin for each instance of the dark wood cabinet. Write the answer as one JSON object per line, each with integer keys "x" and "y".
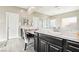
{"x": 46, "y": 43}
{"x": 45, "y": 46}
{"x": 71, "y": 46}
{"x": 54, "y": 48}
{"x": 36, "y": 42}
{"x": 42, "y": 46}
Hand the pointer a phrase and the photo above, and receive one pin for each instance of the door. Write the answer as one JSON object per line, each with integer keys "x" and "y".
{"x": 12, "y": 25}
{"x": 36, "y": 42}
{"x": 3, "y": 32}
{"x": 42, "y": 46}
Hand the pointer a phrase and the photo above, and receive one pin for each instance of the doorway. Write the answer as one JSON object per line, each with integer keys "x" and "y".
{"x": 12, "y": 25}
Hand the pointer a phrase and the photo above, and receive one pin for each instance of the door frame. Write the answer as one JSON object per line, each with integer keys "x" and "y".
{"x": 7, "y": 25}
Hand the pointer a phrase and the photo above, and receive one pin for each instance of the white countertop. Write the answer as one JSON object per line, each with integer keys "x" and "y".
{"x": 69, "y": 36}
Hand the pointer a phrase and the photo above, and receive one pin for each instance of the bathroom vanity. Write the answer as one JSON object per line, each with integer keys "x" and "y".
{"x": 48, "y": 41}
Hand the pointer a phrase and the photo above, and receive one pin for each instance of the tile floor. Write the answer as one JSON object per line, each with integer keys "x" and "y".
{"x": 17, "y": 45}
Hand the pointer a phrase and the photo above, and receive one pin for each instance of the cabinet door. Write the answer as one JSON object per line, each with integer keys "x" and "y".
{"x": 72, "y": 46}
{"x": 36, "y": 42}
{"x": 42, "y": 46}
{"x": 52, "y": 48}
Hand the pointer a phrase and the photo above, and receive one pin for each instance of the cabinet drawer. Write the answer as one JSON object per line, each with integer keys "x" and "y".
{"x": 54, "y": 48}
{"x": 72, "y": 46}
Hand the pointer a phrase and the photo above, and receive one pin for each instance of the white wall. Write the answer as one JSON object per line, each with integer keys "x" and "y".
{"x": 78, "y": 22}
{"x": 59, "y": 19}
{"x": 73, "y": 27}
{"x": 3, "y": 32}
{"x": 3, "y": 10}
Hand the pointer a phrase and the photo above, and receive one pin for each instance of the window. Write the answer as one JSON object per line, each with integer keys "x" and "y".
{"x": 43, "y": 23}
{"x": 49, "y": 23}
{"x": 52, "y": 23}
{"x": 40, "y": 24}
{"x": 36, "y": 22}
{"x": 46, "y": 23}
{"x": 69, "y": 21}
{"x": 69, "y": 24}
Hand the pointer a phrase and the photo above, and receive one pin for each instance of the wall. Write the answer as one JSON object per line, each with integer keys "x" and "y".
{"x": 65, "y": 15}
{"x": 3, "y": 33}
{"x": 3, "y": 10}
{"x": 78, "y": 21}
{"x": 40, "y": 17}
{"x": 59, "y": 19}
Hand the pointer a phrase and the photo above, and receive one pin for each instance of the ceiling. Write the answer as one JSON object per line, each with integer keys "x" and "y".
{"x": 50, "y": 10}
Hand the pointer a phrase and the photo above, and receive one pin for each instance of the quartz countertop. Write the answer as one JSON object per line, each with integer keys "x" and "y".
{"x": 69, "y": 36}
